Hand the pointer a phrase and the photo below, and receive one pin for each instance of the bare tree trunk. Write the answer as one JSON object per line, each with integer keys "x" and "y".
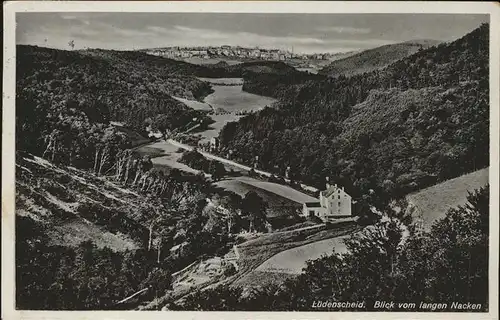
{"x": 144, "y": 180}
{"x": 137, "y": 174}
{"x": 133, "y": 295}
{"x": 127, "y": 169}
{"x": 96, "y": 159}
{"x": 150, "y": 183}
{"x": 71, "y": 157}
{"x": 49, "y": 146}
{"x": 104, "y": 159}
{"x": 150, "y": 235}
{"x": 163, "y": 187}
{"x": 159, "y": 250}
{"x": 54, "y": 151}
{"x": 119, "y": 165}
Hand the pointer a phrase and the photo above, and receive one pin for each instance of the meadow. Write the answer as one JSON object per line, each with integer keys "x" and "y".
{"x": 433, "y": 202}
{"x": 223, "y": 81}
{"x": 292, "y": 261}
{"x": 278, "y": 205}
{"x": 254, "y": 253}
{"x": 196, "y": 105}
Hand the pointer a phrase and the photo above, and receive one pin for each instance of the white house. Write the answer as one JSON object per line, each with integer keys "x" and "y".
{"x": 214, "y": 144}
{"x": 333, "y": 203}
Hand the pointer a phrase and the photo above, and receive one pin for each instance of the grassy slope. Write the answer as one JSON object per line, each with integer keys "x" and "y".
{"x": 281, "y": 190}
{"x": 53, "y": 197}
{"x": 255, "y": 252}
{"x": 293, "y": 260}
{"x": 376, "y": 58}
{"x": 433, "y": 202}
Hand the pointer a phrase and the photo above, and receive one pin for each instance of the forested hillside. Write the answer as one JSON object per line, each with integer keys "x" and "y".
{"x": 101, "y": 88}
{"x": 96, "y": 219}
{"x": 421, "y": 120}
{"x": 375, "y": 58}
{"x": 99, "y": 239}
{"x": 269, "y": 78}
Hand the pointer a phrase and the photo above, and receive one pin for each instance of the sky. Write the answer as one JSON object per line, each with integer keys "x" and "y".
{"x": 304, "y": 33}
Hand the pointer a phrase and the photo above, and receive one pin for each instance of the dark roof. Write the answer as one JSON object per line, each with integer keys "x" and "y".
{"x": 313, "y": 204}
{"x": 331, "y": 190}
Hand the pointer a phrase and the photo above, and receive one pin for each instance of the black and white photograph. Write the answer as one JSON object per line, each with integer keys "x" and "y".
{"x": 199, "y": 160}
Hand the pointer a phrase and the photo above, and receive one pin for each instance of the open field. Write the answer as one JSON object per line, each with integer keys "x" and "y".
{"x": 196, "y": 105}
{"x": 294, "y": 260}
{"x": 216, "y": 127}
{"x": 215, "y": 81}
{"x": 255, "y": 252}
{"x": 278, "y": 205}
{"x": 279, "y": 189}
{"x": 433, "y": 202}
{"x": 164, "y": 154}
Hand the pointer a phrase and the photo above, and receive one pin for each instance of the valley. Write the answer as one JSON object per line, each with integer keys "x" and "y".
{"x": 145, "y": 182}
{"x": 228, "y": 103}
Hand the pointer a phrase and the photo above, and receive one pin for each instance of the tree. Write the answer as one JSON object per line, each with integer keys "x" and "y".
{"x": 233, "y": 203}
{"x": 159, "y": 280}
{"x": 163, "y": 124}
{"x": 459, "y": 244}
{"x": 255, "y": 208}
{"x": 217, "y": 170}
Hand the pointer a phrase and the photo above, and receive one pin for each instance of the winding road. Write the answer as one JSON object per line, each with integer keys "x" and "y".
{"x": 232, "y": 163}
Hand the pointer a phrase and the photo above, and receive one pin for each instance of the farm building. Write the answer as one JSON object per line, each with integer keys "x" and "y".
{"x": 333, "y": 203}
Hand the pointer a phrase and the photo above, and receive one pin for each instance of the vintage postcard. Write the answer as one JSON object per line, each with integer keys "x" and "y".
{"x": 242, "y": 160}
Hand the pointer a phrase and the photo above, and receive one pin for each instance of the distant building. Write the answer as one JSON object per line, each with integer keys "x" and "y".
{"x": 287, "y": 172}
{"x": 333, "y": 203}
{"x": 214, "y": 144}
{"x": 255, "y": 53}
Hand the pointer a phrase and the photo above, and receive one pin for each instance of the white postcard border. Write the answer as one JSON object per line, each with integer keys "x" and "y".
{"x": 8, "y": 141}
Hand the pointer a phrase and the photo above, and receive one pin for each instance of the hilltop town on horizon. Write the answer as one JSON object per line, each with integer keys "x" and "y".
{"x": 207, "y": 52}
